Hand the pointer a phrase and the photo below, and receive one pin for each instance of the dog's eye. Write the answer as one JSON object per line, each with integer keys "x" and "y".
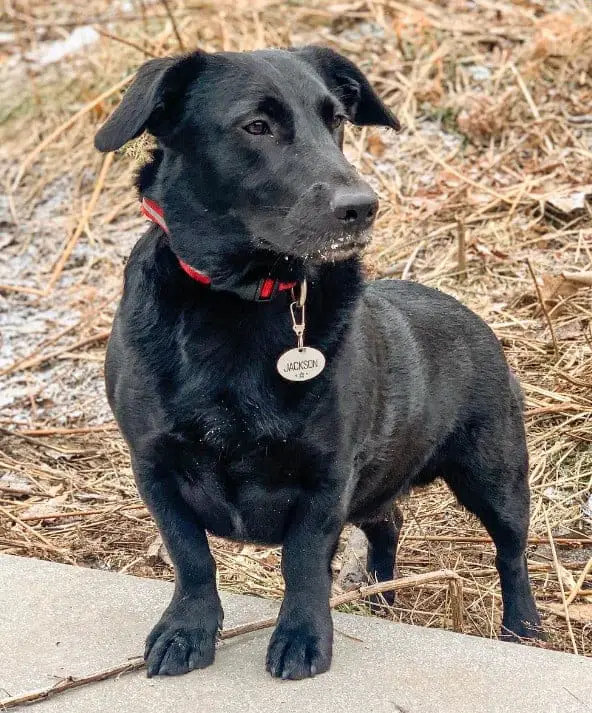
{"x": 257, "y": 128}
{"x": 336, "y": 121}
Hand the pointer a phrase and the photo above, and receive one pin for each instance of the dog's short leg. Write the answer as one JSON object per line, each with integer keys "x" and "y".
{"x": 185, "y": 636}
{"x": 500, "y": 499}
{"x": 302, "y": 642}
{"x": 383, "y": 539}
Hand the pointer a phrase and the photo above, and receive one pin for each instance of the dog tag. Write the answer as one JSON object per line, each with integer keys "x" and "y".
{"x": 301, "y": 364}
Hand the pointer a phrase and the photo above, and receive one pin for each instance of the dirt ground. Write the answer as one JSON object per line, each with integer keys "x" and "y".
{"x": 485, "y": 194}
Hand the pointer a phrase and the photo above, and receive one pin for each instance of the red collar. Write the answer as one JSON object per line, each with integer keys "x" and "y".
{"x": 264, "y": 290}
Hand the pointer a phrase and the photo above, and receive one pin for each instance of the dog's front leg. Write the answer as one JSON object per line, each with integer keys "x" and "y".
{"x": 302, "y": 642}
{"x": 185, "y": 636}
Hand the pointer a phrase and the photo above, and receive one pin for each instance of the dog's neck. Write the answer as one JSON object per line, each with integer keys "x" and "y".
{"x": 260, "y": 290}
{"x": 193, "y": 234}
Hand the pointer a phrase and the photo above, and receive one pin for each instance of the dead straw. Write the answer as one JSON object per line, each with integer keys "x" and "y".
{"x": 71, "y": 244}
{"x": 54, "y": 135}
{"x": 561, "y": 587}
{"x": 487, "y": 146}
{"x": 544, "y": 308}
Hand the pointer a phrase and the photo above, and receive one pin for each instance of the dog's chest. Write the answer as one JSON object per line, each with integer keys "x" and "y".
{"x": 243, "y": 481}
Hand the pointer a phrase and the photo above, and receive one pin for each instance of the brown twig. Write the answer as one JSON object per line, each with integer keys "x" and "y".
{"x": 137, "y": 663}
{"x": 42, "y": 432}
{"x": 553, "y": 408}
{"x": 455, "y": 586}
{"x": 169, "y": 12}
{"x": 543, "y": 307}
{"x": 70, "y": 683}
{"x": 577, "y": 589}
{"x": 409, "y": 264}
{"x": 15, "y": 490}
{"x": 71, "y": 244}
{"x": 477, "y": 540}
{"x": 580, "y": 278}
{"x": 45, "y": 343}
{"x": 560, "y": 580}
{"x": 30, "y": 530}
{"x": 124, "y": 41}
{"x": 462, "y": 249}
{"x": 65, "y": 515}
{"x": 21, "y": 288}
{"x": 44, "y": 358}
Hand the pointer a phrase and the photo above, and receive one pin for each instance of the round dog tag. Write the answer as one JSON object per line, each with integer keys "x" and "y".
{"x": 301, "y": 364}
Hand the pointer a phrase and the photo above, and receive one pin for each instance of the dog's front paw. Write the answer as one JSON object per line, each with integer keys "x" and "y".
{"x": 184, "y": 638}
{"x": 299, "y": 649}
{"x": 521, "y": 631}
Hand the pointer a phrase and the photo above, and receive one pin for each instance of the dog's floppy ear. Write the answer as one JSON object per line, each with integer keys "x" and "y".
{"x": 152, "y": 103}
{"x": 350, "y": 85}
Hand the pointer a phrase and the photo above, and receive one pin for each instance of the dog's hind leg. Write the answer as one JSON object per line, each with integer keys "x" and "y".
{"x": 383, "y": 539}
{"x": 489, "y": 476}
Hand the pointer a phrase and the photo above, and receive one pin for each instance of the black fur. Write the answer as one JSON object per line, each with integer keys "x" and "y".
{"x": 416, "y": 386}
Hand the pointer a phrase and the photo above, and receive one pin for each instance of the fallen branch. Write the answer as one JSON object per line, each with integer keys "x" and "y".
{"x": 42, "y": 432}
{"x": 70, "y": 683}
{"x": 137, "y": 663}
{"x": 580, "y": 278}
{"x": 479, "y": 540}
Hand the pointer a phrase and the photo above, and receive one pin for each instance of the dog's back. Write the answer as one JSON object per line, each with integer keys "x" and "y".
{"x": 438, "y": 376}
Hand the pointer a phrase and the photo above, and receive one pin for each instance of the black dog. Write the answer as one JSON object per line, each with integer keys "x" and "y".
{"x": 252, "y": 196}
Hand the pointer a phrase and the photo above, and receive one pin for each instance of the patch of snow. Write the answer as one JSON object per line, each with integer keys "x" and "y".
{"x": 50, "y": 52}
{"x": 479, "y": 72}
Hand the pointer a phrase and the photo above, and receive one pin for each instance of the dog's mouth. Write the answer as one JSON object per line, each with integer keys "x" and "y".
{"x": 339, "y": 249}
{"x": 343, "y": 252}
{"x": 335, "y": 249}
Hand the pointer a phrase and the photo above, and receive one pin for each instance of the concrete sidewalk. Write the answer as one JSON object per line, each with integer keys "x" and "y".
{"x": 58, "y": 621}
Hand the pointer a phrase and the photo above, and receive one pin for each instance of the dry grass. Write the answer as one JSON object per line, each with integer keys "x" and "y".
{"x": 495, "y": 100}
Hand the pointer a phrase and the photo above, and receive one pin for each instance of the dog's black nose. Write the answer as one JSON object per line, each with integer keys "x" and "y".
{"x": 355, "y": 207}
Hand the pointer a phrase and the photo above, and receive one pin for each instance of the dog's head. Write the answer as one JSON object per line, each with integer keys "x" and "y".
{"x": 251, "y": 150}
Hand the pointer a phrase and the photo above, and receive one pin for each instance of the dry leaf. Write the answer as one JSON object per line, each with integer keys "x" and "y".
{"x": 47, "y": 507}
{"x": 570, "y": 330}
{"x": 554, "y": 287}
{"x": 569, "y": 204}
{"x": 567, "y": 578}
{"x": 482, "y": 116}
{"x": 485, "y": 251}
{"x": 577, "y": 612}
{"x": 376, "y": 145}
{"x": 16, "y": 481}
